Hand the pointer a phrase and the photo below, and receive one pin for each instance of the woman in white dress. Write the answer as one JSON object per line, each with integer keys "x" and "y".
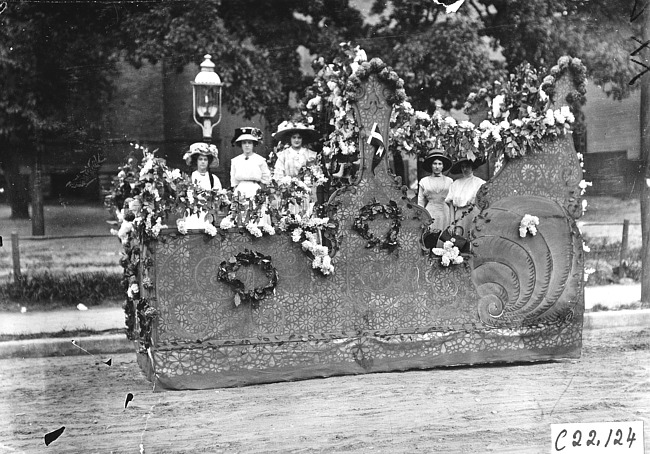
{"x": 294, "y": 156}
{"x": 462, "y": 193}
{"x": 433, "y": 190}
{"x": 248, "y": 171}
{"x": 200, "y": 157}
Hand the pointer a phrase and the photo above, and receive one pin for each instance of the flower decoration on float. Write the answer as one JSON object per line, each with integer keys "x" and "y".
{"x": 328, "y": 102}
{"x": 527, "y": 225}
{"x": 518, "y": 113}
{"x": 449, "y": 253}
{"x": 370, "y": 212}
{"x": 228, "y": 273}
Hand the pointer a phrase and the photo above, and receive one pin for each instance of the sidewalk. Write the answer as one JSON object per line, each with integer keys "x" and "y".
{"x": 101, "y": 319}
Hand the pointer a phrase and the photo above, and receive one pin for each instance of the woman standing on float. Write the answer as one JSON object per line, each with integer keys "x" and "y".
{"x": 433, "y": 190}
{"x": 248, "y": 171}
{"x": 294, "y": 156}
{"x": 200, "y": 157}
{"x": 462, "y": 193}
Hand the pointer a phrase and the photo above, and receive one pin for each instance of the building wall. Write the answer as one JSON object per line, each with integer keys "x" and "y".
{"x": 613, "y": 143}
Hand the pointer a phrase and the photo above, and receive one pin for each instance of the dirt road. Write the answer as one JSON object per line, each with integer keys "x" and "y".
{"x": 453, "y": 410}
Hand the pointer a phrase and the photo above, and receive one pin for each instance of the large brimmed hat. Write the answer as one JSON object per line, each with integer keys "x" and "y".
{"x": 428, "y": 161}
{"x": 247, "y": 133}
{"x": 476, "y": 163}
{"x": 201, "y": 148}
{"x": 288, "y": 128}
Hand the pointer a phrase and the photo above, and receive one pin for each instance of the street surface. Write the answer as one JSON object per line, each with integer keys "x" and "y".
{"x": 451, "y": 410}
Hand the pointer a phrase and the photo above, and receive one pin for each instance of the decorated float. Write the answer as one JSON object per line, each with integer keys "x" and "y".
{"x": 351, "y": 288}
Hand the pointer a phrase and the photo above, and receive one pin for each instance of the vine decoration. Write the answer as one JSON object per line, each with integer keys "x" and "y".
{"x": 228, "y": 273}
{"x": 368, "y": 213}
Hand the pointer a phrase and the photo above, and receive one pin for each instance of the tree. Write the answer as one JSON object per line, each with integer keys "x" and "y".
{"x": 254, "y": 42}
{"x": 55, "y": 65}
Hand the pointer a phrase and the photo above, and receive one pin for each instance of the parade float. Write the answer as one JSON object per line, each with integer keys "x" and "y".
{"x": 351, "y": 288}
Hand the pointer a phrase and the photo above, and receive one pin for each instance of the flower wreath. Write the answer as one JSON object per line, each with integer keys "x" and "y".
{"x": 368, "y": 213}
{"x": 228, "y": 274}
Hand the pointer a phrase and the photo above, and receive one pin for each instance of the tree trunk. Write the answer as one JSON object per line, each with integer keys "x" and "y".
{"x": 17, "y": 187}
{"x": 38, "y": 220}
{"x": 645, "y": 151}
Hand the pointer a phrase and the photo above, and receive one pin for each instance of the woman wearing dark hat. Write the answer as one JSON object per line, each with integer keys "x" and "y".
{"x": 248, "y": 171}
{"x": 462, "y": 193}
{"x": 433, "y": 189}
{"x": 294, "y": 156}
{"x": 200, "y": 157}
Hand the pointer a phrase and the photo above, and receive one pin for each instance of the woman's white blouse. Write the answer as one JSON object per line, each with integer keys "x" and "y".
{"x": 203, "y": 180}
{"x": 463, "y": 191}
{"x": 290, "y": 161}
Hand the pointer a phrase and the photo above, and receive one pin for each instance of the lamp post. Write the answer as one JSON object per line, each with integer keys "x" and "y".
{"x": 206, "y": 91}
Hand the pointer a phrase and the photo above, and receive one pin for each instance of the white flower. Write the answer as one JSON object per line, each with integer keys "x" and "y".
{"x": 132, "y": 290}
{"x": 584, "y": 205}
{"x": 559, "y": 117}
{"x": 517, "y": 122}
{"x": 360, "y": 54}
{"x": 585, "y": 247}
{"x": 227, "y": 223}
{"x": 486, "y": 125}
{"x": 449, "y": 254}
{"x": 268, "y": 229}
{"x": 566, "y": 112}
{"x": 584, "y": 185}
{"x": 451, "y": 121}
{"x": 420, "y": 115}
{"x": 123, "y": 233}
{"x": 313, "y": 102}
{"x": 549, "y": 119}
{"x": 528, "y": 224}
{"x": 296, "y": 235}
{"x": 496, "y": 105}
{"x": 210, "y": 229}
{"x": 155, "y": 229}
{"x": 466, "y": 124}
{"x": 254, "y": 229}
{"x": 542, "y": 95}
{"x": 504, "y": 124}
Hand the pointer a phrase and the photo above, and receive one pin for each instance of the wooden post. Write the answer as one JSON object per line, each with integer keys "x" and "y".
{"x": 624, "y": 249}
{"x": 38, "y": 220}
{"x": 15, "y": 254}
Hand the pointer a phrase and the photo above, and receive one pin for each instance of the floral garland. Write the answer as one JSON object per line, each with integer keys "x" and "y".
{"x": 368, "y": 213}
{"x": 330, "y": 99}
{"x": 228, "y": 273}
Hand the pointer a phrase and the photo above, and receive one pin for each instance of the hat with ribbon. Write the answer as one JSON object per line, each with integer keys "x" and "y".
{"x": 201, "y": 148}
{"x": 247, "y": 133}
{"x": 475, "y": 163}
{"x": 286, "y": 129}
{"x": 436, "y": 155}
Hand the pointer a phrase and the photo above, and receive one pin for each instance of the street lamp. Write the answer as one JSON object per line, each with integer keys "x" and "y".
{"x": 206, "y": 91}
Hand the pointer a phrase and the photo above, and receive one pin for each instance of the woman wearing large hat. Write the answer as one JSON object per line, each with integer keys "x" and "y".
{"x": 293, "y": 156}
{"x": 433, "y": 190}
{"x": 462, "y": 193}
{"x": 248, "y": 171}
{"x": 200, "y": 157}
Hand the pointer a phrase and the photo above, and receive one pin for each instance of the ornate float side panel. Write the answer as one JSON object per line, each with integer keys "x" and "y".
{"x": 536, "y": 279}
{"x": 380, "y": 310}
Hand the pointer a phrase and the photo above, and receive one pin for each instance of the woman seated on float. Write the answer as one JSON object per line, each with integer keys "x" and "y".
{"x": 433, "y": 191}
{"x": 462, "y": 194}
{"x": 200, "y": 157}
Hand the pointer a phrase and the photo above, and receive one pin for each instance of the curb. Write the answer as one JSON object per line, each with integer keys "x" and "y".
{"x": 118, "y": 343}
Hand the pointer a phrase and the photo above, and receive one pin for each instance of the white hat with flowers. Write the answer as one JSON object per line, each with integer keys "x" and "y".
{"x": 201, "y": 148}
{"x": 247, "y": 133}
{"x": 288, "y": 128}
